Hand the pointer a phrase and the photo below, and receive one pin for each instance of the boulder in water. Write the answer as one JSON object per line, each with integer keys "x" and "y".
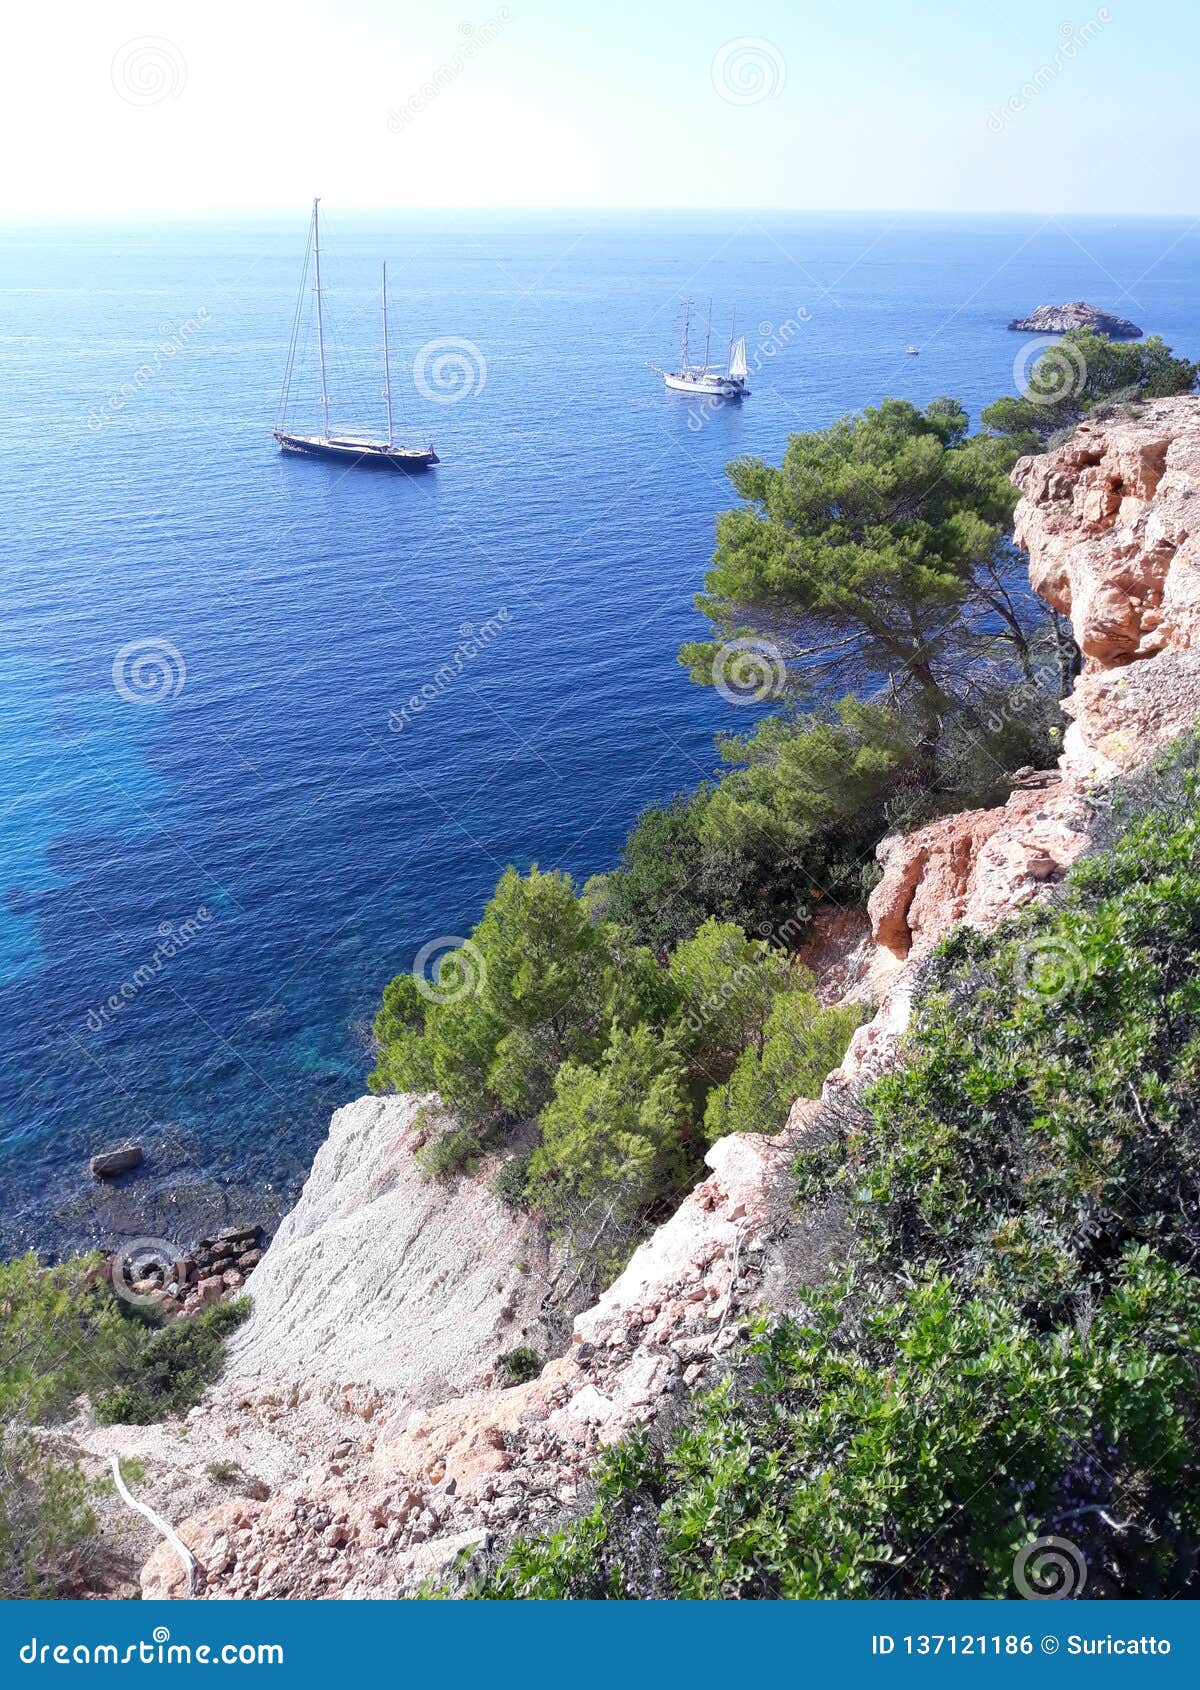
{"x": 107, "y": 1164}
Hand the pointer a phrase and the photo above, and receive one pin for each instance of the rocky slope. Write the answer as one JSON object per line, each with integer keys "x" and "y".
{"x": 362, "y": 1403}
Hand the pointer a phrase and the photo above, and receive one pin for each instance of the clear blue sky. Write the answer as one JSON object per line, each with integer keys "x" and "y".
{"x": 1026, "y": 105}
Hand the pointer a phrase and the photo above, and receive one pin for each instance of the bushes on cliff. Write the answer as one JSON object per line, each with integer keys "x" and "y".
{"x": 1046, "y": 1122}
{"x": 171, "y": 1367}
{"x": 808, "y": 796}
{"x": 904, "y": 1446}
{"x": 1016, "y": 1351}
{"x": 1082, "y": 372}
{"x": 677, "y": 870}
{"x": 47, "y": 1522}
{"x": 613, "y": 1148}
{"x": 800, "y": 1044}
{"x": 551, "y": 1010}
{"x": 871, "y": 548}
{"x": 538, "y": 984}
{"x": 64, "y": 1334}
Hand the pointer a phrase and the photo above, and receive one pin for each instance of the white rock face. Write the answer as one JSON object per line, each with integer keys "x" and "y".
{"x": 382, "y": 1280}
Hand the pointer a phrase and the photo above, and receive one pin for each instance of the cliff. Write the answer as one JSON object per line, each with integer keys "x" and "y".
{"x": 362, "y": 1403}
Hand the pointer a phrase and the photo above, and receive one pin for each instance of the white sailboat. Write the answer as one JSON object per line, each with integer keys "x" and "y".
{"x": 344, "y": 448}
{"x": 706, "y": 379}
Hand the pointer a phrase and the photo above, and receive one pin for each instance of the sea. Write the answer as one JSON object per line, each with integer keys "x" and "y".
{"x": 270, "y": 729}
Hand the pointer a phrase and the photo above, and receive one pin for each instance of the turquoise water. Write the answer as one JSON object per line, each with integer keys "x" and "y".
{"x": 296, "y": 608}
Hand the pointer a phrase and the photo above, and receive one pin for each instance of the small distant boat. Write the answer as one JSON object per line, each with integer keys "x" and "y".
{"x": 708, "y": 380}
{"x": 342, "y": 448}
{"x": 912, "y": 351}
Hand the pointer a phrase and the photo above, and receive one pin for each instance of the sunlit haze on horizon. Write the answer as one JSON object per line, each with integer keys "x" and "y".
{"x": 174, "y": 110}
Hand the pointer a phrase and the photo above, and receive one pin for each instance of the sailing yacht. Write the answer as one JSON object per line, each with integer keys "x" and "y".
{"x": 344, "y": 448}
{"x": 707, "y": 379}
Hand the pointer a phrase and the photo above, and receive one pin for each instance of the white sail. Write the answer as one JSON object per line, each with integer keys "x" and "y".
{"x": 737, "y": 360}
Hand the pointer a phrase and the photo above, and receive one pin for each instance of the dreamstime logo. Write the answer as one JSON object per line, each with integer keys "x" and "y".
{"x": 1047, "y": 371}
{"x": 449, "y": 369}
{"x": 1049, "y": 1569}
{"x": 475, "y": 38}
{"x": 1048, "y": 969}
{"x": 449, "y": 968}
{"x": 749, "y": 671}
{"x": 747, "y": 70}
{"x": 149, "y": 70}
{"x": 149, "y": 671}
{"x": 1071, "y": 41}
{"x": 156, "y": 1650}
{"x": 145, "y": 1266}
{"x": 173, "y": 338}
{"x": 171, "y": 941}
{"x": 473, "y": 641}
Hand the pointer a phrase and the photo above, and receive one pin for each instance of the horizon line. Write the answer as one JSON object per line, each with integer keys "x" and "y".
{"x": 286, "y": 211}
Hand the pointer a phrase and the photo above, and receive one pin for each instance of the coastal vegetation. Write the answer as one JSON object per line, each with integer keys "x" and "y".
{"x": 1084, "y": 374}
{"x": 1012, "y": 1351}
{"x": 665, "y": 1004}
{"x": 66, "y": 1335}
{"x": 872, "y": 549}
{"x": 623, "y": 1060}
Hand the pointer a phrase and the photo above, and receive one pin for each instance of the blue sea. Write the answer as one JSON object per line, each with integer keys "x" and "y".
{"x": 217, "y": 812}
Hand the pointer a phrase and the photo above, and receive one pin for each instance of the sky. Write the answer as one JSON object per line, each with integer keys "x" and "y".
{"x": 165, "y": 109}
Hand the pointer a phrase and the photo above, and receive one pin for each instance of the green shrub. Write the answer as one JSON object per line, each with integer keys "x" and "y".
{"x": 451, "y": 1150}
{"x": 65, "y": 1334}
{"x": 801, "y": 1044}
{"x": 1016, "y": 1353}
{"x": 47, "y": 1520}
{"x": 538, "y": 984}
{"x": 1087, "y": 372}
{"x": 521, "y": 1364}
{"x": 172, "y": 1367}
{"x": 677, "y": 871}
{"x": 910, "y": 1445}
{"x": 612, "y": 1147}
{"x": 511, "y": 1180}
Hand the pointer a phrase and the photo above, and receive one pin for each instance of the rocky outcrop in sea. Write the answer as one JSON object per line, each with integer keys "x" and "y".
{"x": 1076, "y": 314}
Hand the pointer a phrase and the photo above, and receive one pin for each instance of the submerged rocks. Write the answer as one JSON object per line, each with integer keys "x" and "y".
{"x": 1076, "y": 314}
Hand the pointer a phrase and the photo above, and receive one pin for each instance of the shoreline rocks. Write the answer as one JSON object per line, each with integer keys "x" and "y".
{"x": 190, "y": 1282}
{"x": 1076, "y": 314}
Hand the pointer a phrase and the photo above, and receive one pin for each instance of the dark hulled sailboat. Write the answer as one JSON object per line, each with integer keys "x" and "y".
{"x": 342, "y": 448}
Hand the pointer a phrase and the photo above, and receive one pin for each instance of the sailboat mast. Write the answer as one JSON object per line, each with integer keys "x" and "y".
{"x": 683, "y": 351}
{"x": 708, "y": 334}
{"x": 732, "y": 333}
{"x": 387, "y": 373}
{"x": 320, "y": 323}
